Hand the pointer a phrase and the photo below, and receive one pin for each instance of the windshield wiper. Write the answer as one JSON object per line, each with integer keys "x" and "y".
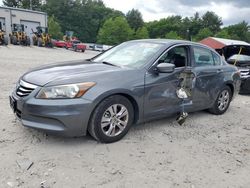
{"x": 107, "y": 63}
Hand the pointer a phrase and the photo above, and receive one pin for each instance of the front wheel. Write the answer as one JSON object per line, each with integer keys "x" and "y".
{"x": 222, "y": 102}
{"x": 27, "y": 41}
{"x": 39, "y": 42}
{"x": 111, "y": 119}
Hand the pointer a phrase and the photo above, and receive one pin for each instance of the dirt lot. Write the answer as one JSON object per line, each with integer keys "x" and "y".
{"x": 208, "y": 151}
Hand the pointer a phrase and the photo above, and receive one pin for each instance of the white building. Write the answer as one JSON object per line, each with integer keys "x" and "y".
{"x": 29, "y": 18}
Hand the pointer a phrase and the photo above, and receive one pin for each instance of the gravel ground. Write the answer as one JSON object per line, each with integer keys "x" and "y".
{"x": 208, "y": 151}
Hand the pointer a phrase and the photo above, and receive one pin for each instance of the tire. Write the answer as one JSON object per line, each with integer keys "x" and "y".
{"x": 14, "y": 40}
{"x": 105, "y": 125}
{"x": 222, "y": 102}
{"x": 39, "y": 42}
{"x": 75, "y": 48}
{"x": 34, "y": 40}
{"x": 6, "y": 40}
{"x": 28, "y": 41}
{"x": 83, "y": 50}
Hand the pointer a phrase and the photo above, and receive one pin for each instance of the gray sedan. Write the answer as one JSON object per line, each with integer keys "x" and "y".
{"x": 134, "y": 82}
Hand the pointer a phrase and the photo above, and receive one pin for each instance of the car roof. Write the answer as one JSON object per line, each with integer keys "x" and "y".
{"x": 170, "y": 42}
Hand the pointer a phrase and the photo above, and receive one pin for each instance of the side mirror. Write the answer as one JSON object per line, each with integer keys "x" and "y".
{"x": 165, "y": 67}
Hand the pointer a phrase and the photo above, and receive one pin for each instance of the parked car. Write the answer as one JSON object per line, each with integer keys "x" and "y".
{"x": 59, "y": 43}
{"x": 98, "y": 47}
{"x": 243, "y": 63}
{"x": 76, "y": 45}
{"x": 131, "y": 83}
{"x": 238, "y": 54}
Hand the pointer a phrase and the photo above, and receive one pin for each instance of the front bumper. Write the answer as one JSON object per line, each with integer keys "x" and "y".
{"x": 68, "y": 117}
{"x": 245, "y": 86}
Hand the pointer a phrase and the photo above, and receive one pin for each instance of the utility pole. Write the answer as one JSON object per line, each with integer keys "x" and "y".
{"x": 30, "y": 4}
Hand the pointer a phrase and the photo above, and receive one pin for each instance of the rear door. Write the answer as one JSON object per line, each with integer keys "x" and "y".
{"x": 209, "y": 77}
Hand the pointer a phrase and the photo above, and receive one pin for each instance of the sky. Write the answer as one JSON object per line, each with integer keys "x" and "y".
{"x": 231, "y": 11}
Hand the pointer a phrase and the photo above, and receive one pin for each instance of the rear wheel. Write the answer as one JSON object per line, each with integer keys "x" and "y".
{"x": 111, "y": 119}
{"x": 75, "y": 48}
{"x": 6, "y": 40}
{"x": 28, "y": 41}
{"x": 222, "y": 102}
{"x": 39, "y": 42}
{"x": 14, "y": 40}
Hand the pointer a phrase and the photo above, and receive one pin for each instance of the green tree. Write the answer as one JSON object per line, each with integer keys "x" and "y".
{"x": 141, "y": 33}
{"x": 211, "y": 21}
{"x": 223, "y": 34}
{"x": 35, "y": 4}
{"x": 203, "y": 33}
{"x": 240, "y": 31}
{"x": 12, "y": 3}
{"x": 54, "y": 28}
{"x": 173, "y": 35}
{"x": 134, "y": 18}
{"x": 115, "y": 31}
{"x": 84, "y": 17}
{"x": 194, "y": 25}
{"x": 158, "y": 29}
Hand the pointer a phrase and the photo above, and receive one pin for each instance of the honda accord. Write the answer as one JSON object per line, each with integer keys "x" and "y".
{"x": 131, "y": 83}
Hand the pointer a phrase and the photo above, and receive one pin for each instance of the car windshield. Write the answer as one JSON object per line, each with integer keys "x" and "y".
{"x": 130, "y": 54}
{"x": 240, "y": 57}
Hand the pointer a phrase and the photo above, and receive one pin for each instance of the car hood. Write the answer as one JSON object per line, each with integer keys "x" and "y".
{"x": 66, "y": 71}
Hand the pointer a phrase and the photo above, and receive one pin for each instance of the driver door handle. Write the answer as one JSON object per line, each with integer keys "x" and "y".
{"x": 219, "y": 70}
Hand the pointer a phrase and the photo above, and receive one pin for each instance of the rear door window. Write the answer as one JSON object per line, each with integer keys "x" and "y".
{"x": 217, "y": 59}
{"x": 203, "y": 56}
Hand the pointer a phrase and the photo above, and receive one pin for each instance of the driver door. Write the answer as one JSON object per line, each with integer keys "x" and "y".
{"x": 160, "y": 97}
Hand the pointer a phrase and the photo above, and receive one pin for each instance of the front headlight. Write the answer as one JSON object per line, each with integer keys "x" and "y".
{"x": 65, "y": 91}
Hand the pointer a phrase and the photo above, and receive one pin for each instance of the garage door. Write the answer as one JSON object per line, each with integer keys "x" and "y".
{"x": 2, "y": 24}
{"x": 28, "y": 26}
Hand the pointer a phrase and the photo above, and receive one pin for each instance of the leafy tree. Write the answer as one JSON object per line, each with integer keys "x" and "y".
{"x": 84, "y": 17}
{"x": 194, "y": 25}
{"x": 12, "y": 3}
{"x": 54, "y": 28}
{"x": 211, "y": 21}
{"x": 223, "y": 34}
{"x": 204, "y": 33}
{"x": 134, "y": 18}
{"x": 36, "y": 4}
{"x": 158, "y": 29}
{"x": 115, "y": 31}
{"x": 141, "y": 33}
{"x": 240, "y": 31}
{"x": 173, "y": 35}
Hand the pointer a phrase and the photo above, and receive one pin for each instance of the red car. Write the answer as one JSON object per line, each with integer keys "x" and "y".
{"x": 76, "y": 45}
{"x": 59, "y": 43}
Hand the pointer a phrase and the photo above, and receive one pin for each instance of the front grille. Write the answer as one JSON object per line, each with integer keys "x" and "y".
{"x": 245, "y": 73}
{"x": 24, "y": 88}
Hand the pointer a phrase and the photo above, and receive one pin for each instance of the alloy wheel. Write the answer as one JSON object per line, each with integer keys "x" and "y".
{"x": 223, "y": 100}
{"x": 114, "y": 120}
